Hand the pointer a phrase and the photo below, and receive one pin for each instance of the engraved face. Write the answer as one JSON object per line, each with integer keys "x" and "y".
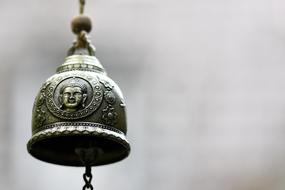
{"x": 73, "y": 97}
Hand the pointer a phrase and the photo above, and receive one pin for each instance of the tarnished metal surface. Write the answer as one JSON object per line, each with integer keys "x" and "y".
{"x": 79, "y": 107}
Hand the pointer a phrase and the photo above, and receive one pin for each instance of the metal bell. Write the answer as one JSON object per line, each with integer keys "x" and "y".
{"x": 79, "y": 114}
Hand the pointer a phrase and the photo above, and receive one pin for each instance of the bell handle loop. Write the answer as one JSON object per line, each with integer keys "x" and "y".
{"x": 82, "y": 42}
{"x": 84, "y": 39}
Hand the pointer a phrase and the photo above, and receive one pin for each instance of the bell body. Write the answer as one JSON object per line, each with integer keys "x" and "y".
{"x": 79, "y": 116}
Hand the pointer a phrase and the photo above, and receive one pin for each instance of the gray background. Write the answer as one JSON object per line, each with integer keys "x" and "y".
{"x": 203, "y": 80}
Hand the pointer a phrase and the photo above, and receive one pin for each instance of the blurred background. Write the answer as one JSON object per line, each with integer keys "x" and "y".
{"x": 204, "y": 82}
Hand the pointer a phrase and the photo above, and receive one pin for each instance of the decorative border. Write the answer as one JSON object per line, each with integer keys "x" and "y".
{"x": 88, "y": 110}
{"x": 79, "y": 128}
{"x": 77, "y": 125}
{"x": 80, "y": 67}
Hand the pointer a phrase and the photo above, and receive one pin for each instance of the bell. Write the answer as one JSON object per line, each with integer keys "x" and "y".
{"x": 79, "y": 114}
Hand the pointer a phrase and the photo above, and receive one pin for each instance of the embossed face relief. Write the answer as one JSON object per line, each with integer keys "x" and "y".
{"x": 72, "y": 98}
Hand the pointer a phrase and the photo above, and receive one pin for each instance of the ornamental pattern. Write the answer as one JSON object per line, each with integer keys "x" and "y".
{"x": 110, "y": 116}
{"x": 74, "y": 96}
{"x": 40, "y": 108}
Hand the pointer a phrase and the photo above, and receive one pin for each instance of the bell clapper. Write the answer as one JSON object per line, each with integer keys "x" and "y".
{"x": 88, "y": 156}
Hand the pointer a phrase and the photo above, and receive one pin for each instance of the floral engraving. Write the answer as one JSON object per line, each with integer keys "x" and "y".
{"x": 110, "y": 97}
{"x": 110, "y": 117}
{"x": 40, "y": 107}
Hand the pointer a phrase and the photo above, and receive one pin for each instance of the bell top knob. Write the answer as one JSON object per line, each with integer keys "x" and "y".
{"x": 81, "y": 23}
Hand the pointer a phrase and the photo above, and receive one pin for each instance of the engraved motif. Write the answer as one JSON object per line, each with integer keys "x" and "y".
{"x": 107, "y": 85}
{"x": 110, "y": 97}
{"x": 76, "y": 125}
{"x": 74, "y": 97}
{"x": 40, "y": 107}
{"x": 110, "y": 117}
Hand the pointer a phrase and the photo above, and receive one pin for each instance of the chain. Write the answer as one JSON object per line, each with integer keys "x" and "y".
{"x": 82, "y": 4}
{"x": 87, "y": 179}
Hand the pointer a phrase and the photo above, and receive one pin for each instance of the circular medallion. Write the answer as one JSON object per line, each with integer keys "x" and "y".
{"x": 74, "y": 97}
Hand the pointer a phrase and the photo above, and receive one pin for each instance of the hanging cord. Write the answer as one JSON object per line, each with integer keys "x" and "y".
{"x": 87, "y": 176}
{"x": 81, "y": 25}
{"x": 82, "y": 4}
{"x": 84, "y": 42}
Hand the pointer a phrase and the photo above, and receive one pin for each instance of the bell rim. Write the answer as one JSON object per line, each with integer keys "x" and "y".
{"x": 80, "y": 131}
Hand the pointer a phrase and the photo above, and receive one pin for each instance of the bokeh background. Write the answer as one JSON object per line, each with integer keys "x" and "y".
{"x": 204, "y": 82}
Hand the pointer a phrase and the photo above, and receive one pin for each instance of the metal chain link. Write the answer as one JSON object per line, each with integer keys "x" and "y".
{"x": 87, "y": 179}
